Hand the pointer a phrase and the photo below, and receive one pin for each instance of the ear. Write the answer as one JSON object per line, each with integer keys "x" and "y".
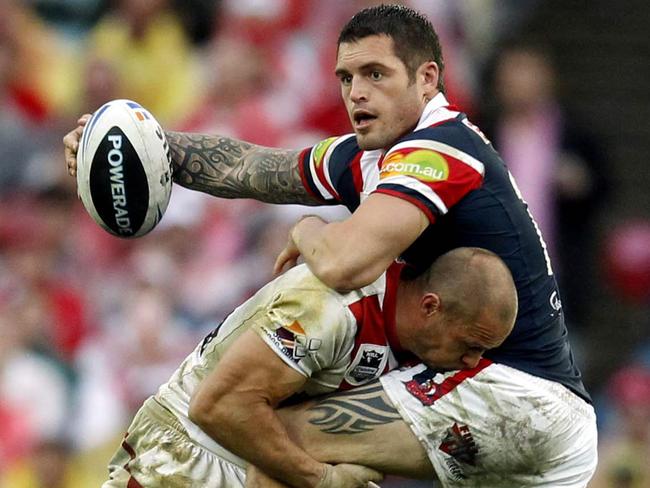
{"x": 430, "y": 304}
{"x": 429, "y": 73}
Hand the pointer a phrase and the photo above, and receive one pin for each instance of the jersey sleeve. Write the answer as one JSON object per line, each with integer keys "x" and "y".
{"x": 308, "y": 329}
{"x": 325, "y": 168}
{"x": 431, "y": 174}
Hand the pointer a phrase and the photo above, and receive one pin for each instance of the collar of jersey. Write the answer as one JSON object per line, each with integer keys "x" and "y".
{"x": 437, "y": 110}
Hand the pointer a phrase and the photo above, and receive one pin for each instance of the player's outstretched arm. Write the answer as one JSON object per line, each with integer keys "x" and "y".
{"x": 222, "y": 166}
{"x": 230, "y": 168}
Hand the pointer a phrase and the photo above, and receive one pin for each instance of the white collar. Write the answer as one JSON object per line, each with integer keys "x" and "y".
{"x": 432, "y": 113}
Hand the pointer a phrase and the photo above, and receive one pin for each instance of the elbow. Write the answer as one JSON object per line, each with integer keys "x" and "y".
{"x": 205, "y": 412}
{"x": 197, "y": 411}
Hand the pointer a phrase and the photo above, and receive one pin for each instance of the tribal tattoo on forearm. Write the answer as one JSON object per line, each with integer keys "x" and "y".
{"x": 356, "y": 411}
{"x": 229, "y": 168}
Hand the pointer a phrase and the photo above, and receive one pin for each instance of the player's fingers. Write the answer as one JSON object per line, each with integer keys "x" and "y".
{"x": 282, "y": 265}
{"x": 279, "y": 263}
{"x": 285, "y": 260}
{"x": 363, "y": 474}
{"x": 70, "y": 147}
{"x": 83, "y": 120}
{"x": 349, "y": 476}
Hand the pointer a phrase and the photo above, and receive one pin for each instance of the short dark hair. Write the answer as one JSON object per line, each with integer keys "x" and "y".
{"x": 415, "y": 41}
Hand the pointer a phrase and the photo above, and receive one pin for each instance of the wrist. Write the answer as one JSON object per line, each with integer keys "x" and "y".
{"x": 324, "y": 479}
{"x": 312, "y": 475}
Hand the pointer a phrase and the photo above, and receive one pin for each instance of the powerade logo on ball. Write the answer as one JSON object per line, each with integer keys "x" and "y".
{"x": 119, "y": 190}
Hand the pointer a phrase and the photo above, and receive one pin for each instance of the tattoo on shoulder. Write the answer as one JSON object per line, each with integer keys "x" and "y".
{"x": 229, "y": 168}
{"x": 355, "y": 411}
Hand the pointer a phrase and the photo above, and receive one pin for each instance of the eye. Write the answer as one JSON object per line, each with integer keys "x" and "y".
{"x": 345, "y": 79}
{"x": 376, "y": 76}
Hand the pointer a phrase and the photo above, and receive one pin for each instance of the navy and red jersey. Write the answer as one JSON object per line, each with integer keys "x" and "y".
{"x": 450, "y": 171}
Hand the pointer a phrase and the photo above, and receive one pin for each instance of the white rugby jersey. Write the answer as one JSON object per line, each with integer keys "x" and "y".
{"x": 336, "y": 340}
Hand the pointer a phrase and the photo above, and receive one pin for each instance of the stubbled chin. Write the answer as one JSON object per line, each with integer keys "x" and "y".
{"x": 368, "y": 143}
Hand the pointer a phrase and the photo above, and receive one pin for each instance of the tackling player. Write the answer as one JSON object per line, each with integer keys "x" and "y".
{"x": 420, "y": 179}
{"x": 297, "y": 336}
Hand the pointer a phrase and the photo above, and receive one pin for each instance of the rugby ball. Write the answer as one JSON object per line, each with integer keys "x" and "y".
{"x": 124, "y": 169}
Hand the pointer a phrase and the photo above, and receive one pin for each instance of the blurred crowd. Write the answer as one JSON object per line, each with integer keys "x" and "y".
{"x": 90, "y": 324}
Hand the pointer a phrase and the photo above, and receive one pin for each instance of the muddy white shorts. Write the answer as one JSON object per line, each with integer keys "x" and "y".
{"x": 156, "y": 451}
{"x": 495, "y": 426}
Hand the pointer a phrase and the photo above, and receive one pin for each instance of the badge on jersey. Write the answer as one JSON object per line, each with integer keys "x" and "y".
{"x": 423, "y": 164}
{"x": 320, "y": 149}
{"x": 367, "y": 365}
{"x": 292, "y": 341}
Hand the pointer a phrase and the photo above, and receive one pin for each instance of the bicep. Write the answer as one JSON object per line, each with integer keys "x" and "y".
{"x": 360, "y": 426}
{"x": 229, "y": 168}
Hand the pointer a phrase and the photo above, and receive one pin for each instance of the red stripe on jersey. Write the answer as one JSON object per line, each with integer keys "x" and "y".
{"x": 370, "y": 319}
{"x": 390, "y": 305}
{"x": 429, "y": 392}
{"x": 320, "y": 174}
{"x": 357, "y": 176}
{"x": 303, "y": 163}
{"x": 462, "y": 179}
{"x": 418, "y": 203}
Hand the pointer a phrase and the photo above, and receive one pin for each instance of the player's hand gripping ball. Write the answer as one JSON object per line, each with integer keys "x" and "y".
{"x": 124, "y": 169}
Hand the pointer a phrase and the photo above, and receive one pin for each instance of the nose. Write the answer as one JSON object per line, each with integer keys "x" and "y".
{"x": 470, "y": 360}
{"x": 358, "y": 90}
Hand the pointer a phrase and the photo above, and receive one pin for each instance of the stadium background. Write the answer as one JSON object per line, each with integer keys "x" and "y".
{"x": 90, "y": 324}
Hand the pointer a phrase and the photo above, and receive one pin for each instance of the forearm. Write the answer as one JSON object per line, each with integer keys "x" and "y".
{"x": 252, "y": 430}
{"x": 359, "y": 426}
{"x": 338, "y": 260}
{"x": 228, "y": 168}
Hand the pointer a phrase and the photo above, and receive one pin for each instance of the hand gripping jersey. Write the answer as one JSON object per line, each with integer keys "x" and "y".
{"x": 450, "y": 171}
{"x": 335, "y": 340}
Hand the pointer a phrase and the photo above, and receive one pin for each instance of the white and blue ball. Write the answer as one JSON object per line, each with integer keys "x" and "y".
{"x": 124, "y": 169}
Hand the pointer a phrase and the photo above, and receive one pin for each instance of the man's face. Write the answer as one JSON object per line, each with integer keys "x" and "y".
{"x": 451, "y": 345}
{"x": 382, "y": 102}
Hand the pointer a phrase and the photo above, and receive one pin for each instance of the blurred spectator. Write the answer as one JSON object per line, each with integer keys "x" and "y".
{"x": 558, "y": 166}
{"x": 199, "y": 18}
{"x": 144, "y": 44}
{"x": 42, "y": 82}
{"x": 74, "y": 17}
{"x": 625, "y": 444}
{"x": 34, "y": 389}
{"x": 147, "y": 343}
{"x": 237, "y": 89}
{"x": 627, "y": 260}
{"x": 35, "y": 250}
{"x": 23, "y": 108}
